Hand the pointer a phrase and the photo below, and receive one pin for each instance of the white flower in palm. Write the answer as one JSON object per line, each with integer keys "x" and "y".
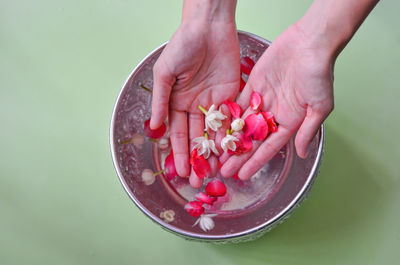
{"x": 206, "y": 222}
{"x": 204, "y": 146}
{"x": 213, "y": 118}
{"x": 228, "y": 142}
{"x": 237, "y": 124}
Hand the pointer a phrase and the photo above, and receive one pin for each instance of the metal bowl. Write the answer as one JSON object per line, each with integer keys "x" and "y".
{"x": 249, "y": 210}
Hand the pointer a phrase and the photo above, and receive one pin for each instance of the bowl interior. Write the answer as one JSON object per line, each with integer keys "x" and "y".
{"x": 248, "y": 206}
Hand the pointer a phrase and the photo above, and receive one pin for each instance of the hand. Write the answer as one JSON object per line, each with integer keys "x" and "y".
{"x": 295, "y": 79}
{"x": 199, "y": 66}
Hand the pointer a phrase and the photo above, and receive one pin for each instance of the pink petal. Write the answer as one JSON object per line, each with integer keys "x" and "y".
{"x": 270, "y": 118}
{"x": 194, "y": 208}
{"x": 256, "y": 127}
{"x": 242, "y": 84}
{"x": 200, "y": 165}
{"x": 246, "y": 65}
{"x": 204, "y": 198}
{"x": 155, "y": 134}
{"x": 234, "y": 108}
{"x": 215, "y": 188}
{"x": 169, "y": 165}
{"x": 255, "y": 100}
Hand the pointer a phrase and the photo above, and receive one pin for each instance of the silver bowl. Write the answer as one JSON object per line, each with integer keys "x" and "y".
{"x": 250, "y": 209}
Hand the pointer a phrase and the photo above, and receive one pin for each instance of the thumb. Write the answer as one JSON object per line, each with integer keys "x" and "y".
{"x": 162, "y": 86}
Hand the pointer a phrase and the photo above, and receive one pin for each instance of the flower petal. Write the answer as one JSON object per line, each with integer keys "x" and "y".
{"x": 205, "y": 198}
{"x": 255, "y": 100}
{"x": 228, "y": 143}
{"x": 148, "y": 176}
{"x": 270, "y": 118}
{"x": 215, "y": 188}
{"x": 154, "y": 134}
{"x": 169, "y": 165}
{"x": 237, "y": 125}
{"x": 211, "y": 109}
{"x": 244, "y": 144}
{"x": 256, "y": 127}
{"x": 194, "y": 208}
{"x": 200, "y": 165}
{"x": 206, "y": 223}
{"x": 246, "y": 65}
{"x": 212, "y": 147}
{"x": 199, "y": 140}
{"x": 234, "y": 108}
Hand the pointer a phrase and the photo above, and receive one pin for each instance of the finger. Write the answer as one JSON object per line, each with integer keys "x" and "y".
{"x": 179, "y": 141}
{"x": 196, "y": 127}
{"x": 265, "y": 152}
{"x": 195, "y": 181}
{"x": 244, "y": 97}
{"x": 162, "y": 85}
{"x": 307, "y": 131}
{"x": 224, "y": 157}
{"x": 213, "y": 161}
{"x": 221, "y": 133}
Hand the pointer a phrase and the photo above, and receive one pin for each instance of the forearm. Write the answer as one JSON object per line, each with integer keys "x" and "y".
{"x": 209, "y": 10}
{"x": 330, "y": 24}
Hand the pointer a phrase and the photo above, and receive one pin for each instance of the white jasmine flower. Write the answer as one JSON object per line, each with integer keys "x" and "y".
{"x": 206, "y": 222}
{"x": 148, "y": 176}
{"x": 205, "y": 146}
{"x": 228, "y": 142}
{"x": 168, "y": 216}
{"x": 136, "y": 139}
{"x": 214, "y": 118}
{"x": 237, "y": 125}
{"x": 163, "y": 144}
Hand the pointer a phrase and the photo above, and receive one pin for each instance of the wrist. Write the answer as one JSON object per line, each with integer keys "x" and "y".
{"x": 321, "y": 35}
{"x": 330, "y": 24}
{"x": 209, "y": 11}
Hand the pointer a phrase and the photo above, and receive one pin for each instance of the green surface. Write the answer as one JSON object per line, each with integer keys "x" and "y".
{"x": 62, "y": 64}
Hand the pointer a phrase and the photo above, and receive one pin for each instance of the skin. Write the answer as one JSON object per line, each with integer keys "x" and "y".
{"x": 200, "y": 66}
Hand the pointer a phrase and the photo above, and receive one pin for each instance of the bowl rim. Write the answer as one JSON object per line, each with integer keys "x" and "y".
{"x": 285, "y": 212}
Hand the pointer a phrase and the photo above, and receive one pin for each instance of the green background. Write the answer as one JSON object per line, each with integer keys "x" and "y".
{"x": 62, "y": 64}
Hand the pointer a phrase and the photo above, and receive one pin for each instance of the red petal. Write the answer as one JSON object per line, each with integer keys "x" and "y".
{"x": 270, "y": 118}
{"x": 245, "y": 143}
{"x": 256, "y": 127}
{"x": 236, "y": 176}
{"x": 215, "y": 188}
{"x": 234, "y": 108}
{"x": 255, "y": 100}
{"x": 155, "y": 134}
{"x": 242, "y": 84}
{"x": 205, "y": 198}
{"x": 200, "y": 165}
{"x": 169, "y": 165}
{"x": 219, "y": 164}
{"x": 194, "y": 208}
{"x": 246, "y": 65}
{"x": 243, "y": 146}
